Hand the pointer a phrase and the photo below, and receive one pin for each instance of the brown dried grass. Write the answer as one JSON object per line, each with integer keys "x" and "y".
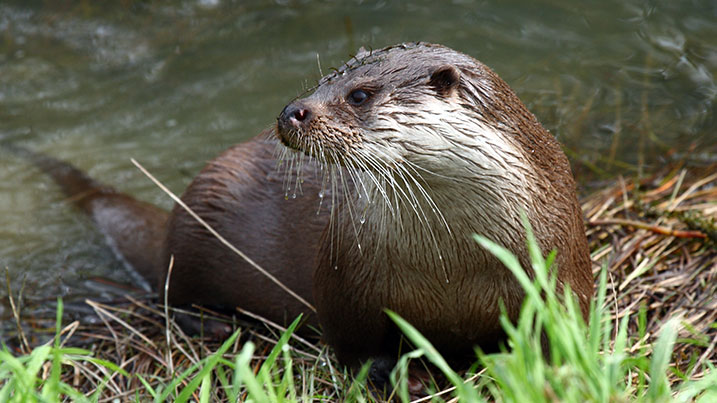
{"x": 658, "y": 238}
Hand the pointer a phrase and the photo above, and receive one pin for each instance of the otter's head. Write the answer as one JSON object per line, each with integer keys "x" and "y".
{"x": 414, "y": 103}
{"x": 388, "y": 106}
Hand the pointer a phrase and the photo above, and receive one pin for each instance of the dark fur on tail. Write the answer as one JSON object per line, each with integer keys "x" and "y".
{"x": 135, "y": 230}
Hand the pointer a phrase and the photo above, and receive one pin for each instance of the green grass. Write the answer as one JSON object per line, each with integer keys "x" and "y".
{"x": 597, "y": 362}
{"x": 36, "y": 377}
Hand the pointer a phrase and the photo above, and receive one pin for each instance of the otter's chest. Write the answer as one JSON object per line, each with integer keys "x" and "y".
{"x": 443, "y": 284}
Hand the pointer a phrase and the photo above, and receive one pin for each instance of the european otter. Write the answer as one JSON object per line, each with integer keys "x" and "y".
{"x": 440, "y": 148}
{"x": 403, "y": 154}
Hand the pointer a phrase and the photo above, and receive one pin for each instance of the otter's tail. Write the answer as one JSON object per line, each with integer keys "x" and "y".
{"x": 134, "y": 229}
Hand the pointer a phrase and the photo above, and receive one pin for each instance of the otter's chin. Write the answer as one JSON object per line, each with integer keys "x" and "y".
{"x": 288, "y": 139}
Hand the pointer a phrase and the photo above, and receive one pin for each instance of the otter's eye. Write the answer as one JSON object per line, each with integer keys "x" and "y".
{"x": 357, "y": 97}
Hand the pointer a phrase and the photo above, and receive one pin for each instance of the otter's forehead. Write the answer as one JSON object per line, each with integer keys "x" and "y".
{"x": 393, "y": 66}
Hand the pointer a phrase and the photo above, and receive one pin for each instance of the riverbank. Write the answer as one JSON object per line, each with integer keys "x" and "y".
{"x": 655, "y": 239}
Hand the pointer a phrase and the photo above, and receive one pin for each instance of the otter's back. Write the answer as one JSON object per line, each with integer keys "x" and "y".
{"x": 242, "y": 195}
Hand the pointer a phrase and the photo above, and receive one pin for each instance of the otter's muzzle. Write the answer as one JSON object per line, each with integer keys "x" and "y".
{"x": 293, "y": 122}
{"x": 294, "y": 118}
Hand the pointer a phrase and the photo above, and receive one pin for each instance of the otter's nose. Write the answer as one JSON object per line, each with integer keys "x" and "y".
{"x": 294, "y": 116}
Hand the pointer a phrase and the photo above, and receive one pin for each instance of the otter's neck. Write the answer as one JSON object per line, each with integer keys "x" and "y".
{"x": 428, "y": 221}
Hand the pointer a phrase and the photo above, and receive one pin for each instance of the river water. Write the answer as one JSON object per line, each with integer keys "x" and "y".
{"x": 624, "y": 85}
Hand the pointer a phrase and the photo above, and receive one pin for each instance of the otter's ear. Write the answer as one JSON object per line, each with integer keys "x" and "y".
{"x": 445, "y": 79}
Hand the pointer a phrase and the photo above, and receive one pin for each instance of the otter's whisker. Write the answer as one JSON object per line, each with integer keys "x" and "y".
{"x": 364, "y": 160}
{"x": 403, "y": 173}
{"x": 369, "y": 164}
{"x": 412, "y": 200}
{"x": 349, "y": 207}
{"x": 426, "y": 194}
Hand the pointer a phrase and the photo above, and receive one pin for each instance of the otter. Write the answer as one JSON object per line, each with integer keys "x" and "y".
{"x": 385, "y": 171}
